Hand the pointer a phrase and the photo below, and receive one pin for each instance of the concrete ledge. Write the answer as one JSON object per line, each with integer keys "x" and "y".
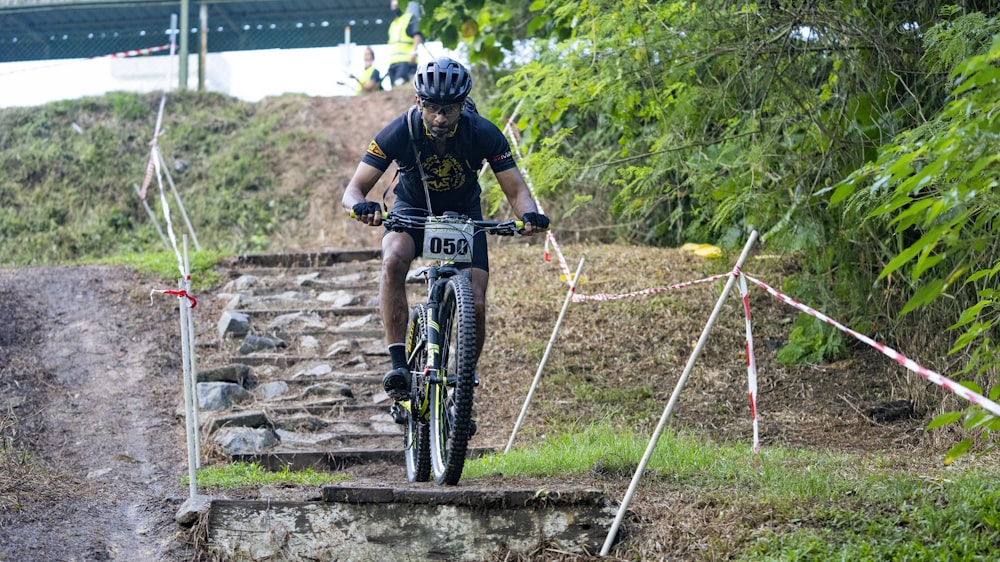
{"x": 418, "y": 523}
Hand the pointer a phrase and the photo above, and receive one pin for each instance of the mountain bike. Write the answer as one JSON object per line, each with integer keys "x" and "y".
{"x": 441, "y": 348}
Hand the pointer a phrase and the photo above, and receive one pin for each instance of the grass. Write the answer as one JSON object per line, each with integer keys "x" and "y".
{"x": 805, "y": 505}
{"x": 70, "y": 168}
{"x": 242, "y": 475}
{"x": 165, "y": 265}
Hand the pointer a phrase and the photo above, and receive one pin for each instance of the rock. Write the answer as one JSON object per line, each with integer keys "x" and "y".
{"x": 236, "y": 373}
{"x": 233, "y": 323}
{"x": 241, "y": 419}
{"x": 310, "y": 439}
{"x": 245, "y": 440}
{"x": 358, "y": 322}
{"x": 307, "y": 278}
{"x": 272, "y": 390}
{"x": 342, "y": 346}
{"x": 338, "y": 298}
{"x": 253, "y": 343}
{"x": 220, "y": 395}
{"x": 314, "y": 371}
{"x": 241, "y": 284}
{"x": 284, "y": 320}
{"x": 192, "y": 509}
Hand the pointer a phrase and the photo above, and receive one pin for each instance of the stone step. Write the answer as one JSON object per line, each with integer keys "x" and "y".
{"x": 284, "y": 361}
{"x": 339, "y": 459}
{"x": 343, "y": 410}
{"x": 309, "y": 309}
{"x": 357, "y": 522}
{"x": 324, "y": 258}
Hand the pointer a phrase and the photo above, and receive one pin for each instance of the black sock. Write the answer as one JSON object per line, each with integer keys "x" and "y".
{"x": 397, "y": 353}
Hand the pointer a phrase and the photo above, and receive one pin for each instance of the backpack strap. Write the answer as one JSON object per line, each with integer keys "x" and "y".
{"x": 414, "y": 125}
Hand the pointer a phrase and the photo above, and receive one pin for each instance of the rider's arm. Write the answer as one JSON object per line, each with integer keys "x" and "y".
{"x": 418, "y": 39}
{"x": 361, "y": 183}
{"x": 512, "y": 183}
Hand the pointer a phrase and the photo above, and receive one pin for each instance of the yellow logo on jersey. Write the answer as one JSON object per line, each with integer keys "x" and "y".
{"x": 444, "y": 173}
{"x": 375, "y": 150}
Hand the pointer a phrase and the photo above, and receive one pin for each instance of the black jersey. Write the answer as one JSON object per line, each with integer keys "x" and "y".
{"x": 452, "y": 179}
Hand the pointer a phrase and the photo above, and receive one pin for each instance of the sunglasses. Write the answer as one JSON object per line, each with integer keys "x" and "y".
{"x": 449, "y": 110}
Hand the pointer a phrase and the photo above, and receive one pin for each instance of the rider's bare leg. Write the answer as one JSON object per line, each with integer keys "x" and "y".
{"x": 397, "y": 255}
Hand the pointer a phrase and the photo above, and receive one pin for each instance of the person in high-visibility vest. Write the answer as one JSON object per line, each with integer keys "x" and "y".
{"x": 370, "y": 79}
{"x": 404, "y": 39}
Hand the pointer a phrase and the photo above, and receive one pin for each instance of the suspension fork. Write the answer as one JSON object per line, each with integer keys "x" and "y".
{"x": 437, "y": 278}
{"x": 434, "y": 340}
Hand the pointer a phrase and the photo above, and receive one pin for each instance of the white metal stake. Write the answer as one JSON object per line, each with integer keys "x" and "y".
{"x": 192, "y": 357}
{"x": 188, "y": 417}
{"x": 673, "y": 399}
{"x": 545, "y": 356}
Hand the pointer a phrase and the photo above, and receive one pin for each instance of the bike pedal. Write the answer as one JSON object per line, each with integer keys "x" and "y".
{"x": 397, "y": 414}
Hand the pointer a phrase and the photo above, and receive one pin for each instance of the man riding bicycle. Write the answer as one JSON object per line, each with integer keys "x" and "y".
{"x": 438, "y": 148}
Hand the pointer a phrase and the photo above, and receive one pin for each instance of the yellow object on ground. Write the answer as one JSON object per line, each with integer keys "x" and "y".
{"x": 703, "y": 250}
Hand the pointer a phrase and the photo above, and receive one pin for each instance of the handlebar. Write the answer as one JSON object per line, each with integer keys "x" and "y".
{"x": 395, "y": 221}
{"x": 398, "y": 222}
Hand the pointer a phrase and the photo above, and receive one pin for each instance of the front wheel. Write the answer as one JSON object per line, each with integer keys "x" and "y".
{"x": 416, "y": 433}
{"x": 451, "y": 395}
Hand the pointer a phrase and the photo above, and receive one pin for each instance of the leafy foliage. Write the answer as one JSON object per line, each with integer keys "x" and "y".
{"x": 812, "y": 342}
{"x": 935, "y": 188}
{"x": 709, "y": 120}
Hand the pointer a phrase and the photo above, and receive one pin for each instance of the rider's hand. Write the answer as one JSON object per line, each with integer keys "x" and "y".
{"x": 368, "y": 212}
{"x": 534, "y": 221}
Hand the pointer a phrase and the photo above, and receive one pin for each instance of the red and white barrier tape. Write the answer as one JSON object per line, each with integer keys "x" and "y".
{"x": 906, "y": 362}
{"x": 123, "y": 54}
{"x": 134, "y": 52}
{"x": 154, "y": 166}
{"x": 181, "y": 294}
{"x": 751, "y": 361}
{"x": 550, "y": 238}
{"x": 644, "y": 292}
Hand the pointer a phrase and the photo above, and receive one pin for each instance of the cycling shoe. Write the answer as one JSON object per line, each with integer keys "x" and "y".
{"x": 397, "y": 383}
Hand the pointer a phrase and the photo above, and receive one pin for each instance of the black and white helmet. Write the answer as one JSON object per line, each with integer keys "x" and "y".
{"x": 442, "y": 81}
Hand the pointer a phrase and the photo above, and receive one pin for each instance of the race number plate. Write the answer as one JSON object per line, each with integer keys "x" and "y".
{"x": 448, "y": 240}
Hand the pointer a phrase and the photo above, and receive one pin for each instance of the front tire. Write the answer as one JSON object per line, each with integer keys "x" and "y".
{"x": 416, "y": 433}
{"x": 451, "y": 406}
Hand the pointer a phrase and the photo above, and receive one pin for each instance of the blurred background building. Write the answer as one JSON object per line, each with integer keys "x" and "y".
{"x": 52, "y": 49}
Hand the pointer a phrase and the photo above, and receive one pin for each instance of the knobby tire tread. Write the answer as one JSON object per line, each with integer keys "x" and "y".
{"x": 449, "y": 443}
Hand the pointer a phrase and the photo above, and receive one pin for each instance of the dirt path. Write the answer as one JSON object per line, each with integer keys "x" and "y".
{"x": 90, "y": 363}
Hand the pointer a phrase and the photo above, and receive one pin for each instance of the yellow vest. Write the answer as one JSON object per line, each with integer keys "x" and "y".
{"x": 366, "y": 77}
{"x": 400, "y": 44}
